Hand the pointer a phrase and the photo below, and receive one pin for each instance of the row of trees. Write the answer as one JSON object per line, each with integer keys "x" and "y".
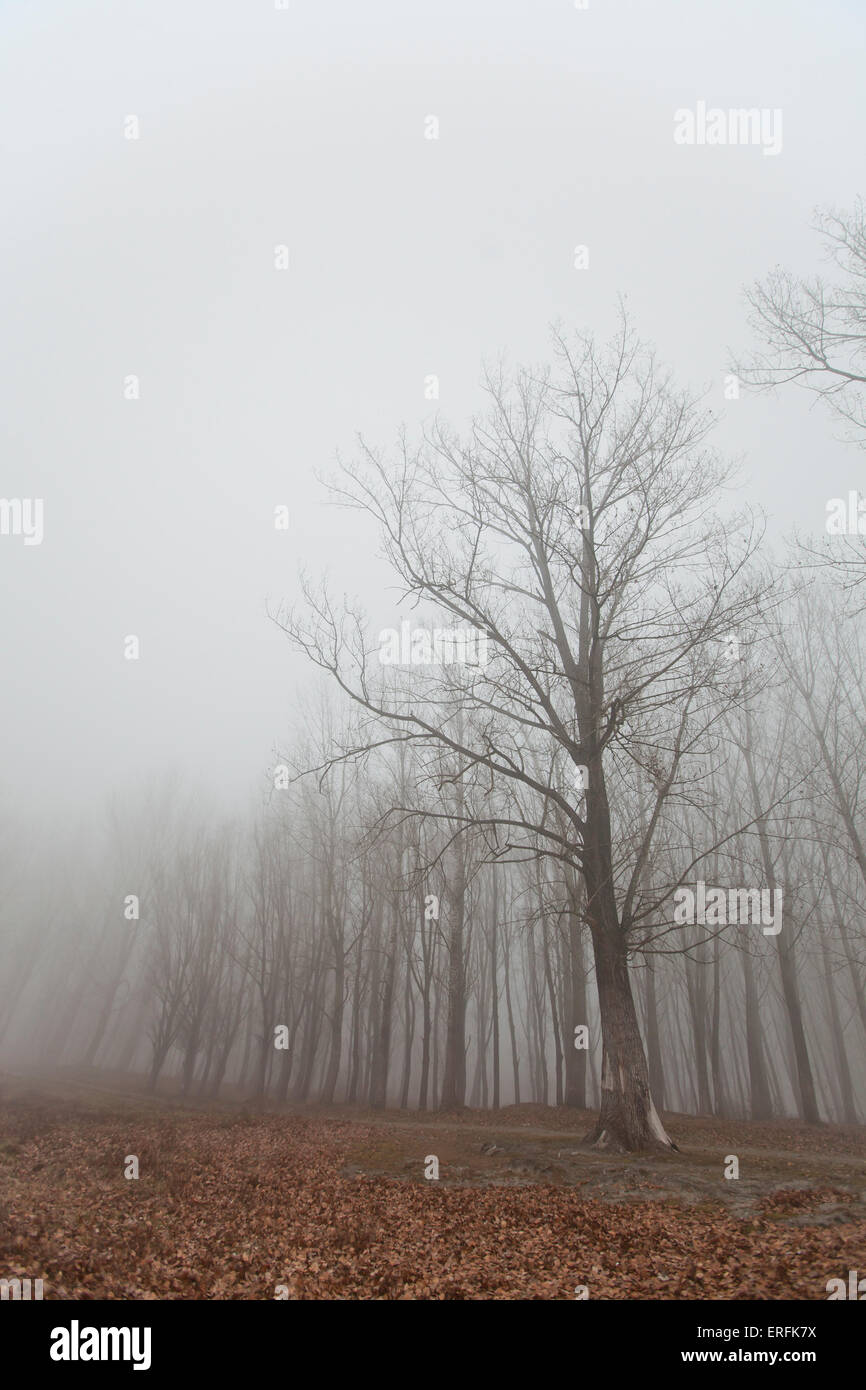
{"x": 371, "y": 936}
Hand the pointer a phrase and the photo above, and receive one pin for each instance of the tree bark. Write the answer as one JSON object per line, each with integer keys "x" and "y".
{"x": 627, "y": 1119}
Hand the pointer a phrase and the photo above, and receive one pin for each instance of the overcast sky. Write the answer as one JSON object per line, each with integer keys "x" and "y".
{"x": 407, "y": 257}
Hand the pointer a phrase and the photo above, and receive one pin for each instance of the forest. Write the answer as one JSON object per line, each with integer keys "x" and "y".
{"x": 433, "y": 752}
{"x": 469, "y": 876}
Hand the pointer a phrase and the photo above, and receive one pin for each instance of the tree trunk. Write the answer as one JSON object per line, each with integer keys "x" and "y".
{"x": 719, "y": 1090}
{"x": 653, "y": 1037}
{"x": 760, "y": 1107}
{"x": 382, "y": 1040}
{"x": 408, "y": 1040}
{"x": 494, "y": 986}
{"x": 454, "y": 1075}
{"x": 554, "y": 1012}
{"x": 627, "y": 1120}
{"x": 695, "y": 985}
{"x": 575, "y": 1058}
{"x": 329, "y": 1084}
{"x": 515, "y": 1059}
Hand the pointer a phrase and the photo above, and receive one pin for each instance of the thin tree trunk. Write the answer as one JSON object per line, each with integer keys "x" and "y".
{"x": 719, "y": 1093}
{"x": 576, "y": 1058}
{"x": 494, "y": 987}
{"x": 760, "y": 1107}
{"x": 454, "y": 1076}
{"x": 408, "y": 1040}
{"x": 653, "y": 1040}
{"x": 515, "y": 1058}
{"x": 695, "y": 985}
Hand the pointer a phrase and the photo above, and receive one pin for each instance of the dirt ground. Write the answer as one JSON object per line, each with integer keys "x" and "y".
{"x": 308, "y": 1203}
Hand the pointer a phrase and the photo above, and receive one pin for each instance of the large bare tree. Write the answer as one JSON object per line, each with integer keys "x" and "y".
{"x": 574, "y": 528}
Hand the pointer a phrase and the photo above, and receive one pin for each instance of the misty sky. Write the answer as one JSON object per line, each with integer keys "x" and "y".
{"x": 408, "y": 257}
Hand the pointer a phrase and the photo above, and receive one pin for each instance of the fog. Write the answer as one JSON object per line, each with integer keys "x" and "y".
{"x": 408, "y": 256}
{"x": 433, "y": 653}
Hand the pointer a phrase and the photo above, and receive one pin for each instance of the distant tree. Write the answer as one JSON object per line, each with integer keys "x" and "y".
{"x": 813, "y": 332}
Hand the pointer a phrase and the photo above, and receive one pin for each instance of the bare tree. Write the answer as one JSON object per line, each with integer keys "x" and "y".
{"x": 573, "y": 529}
{"x": 813, "y": 332}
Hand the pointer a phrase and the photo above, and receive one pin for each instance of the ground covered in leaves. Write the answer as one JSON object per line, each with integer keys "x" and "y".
{"x": 310, "y": 1205}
